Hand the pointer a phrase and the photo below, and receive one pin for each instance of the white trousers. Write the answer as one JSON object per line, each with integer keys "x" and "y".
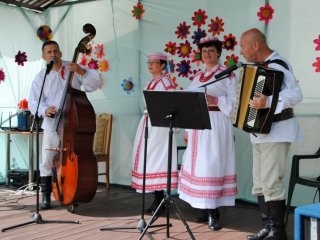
{"x": 268, "y": 170}
{"x": 50, "y": 140}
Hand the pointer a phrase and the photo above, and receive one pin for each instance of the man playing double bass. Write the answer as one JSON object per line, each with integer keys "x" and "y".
{"x": 87, "y": 79}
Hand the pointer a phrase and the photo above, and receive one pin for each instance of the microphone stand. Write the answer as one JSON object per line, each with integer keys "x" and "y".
{"x": 36, "y": 120}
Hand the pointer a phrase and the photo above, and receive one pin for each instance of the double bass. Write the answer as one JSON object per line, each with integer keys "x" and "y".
{"x": 74, "y": 168}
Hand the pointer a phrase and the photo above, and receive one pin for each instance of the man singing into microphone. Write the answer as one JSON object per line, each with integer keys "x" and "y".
{"x": 55, "y": 83}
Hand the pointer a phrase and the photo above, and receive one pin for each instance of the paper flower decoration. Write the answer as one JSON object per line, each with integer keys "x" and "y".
{"x": 23, "y": 105}
{"x": 316, "y": 64}
{"x": 2, "y": 75}
{"x": 99, "y": 50}
{"x": 182, "y": 30}
{"x": 198, "y": 35}
{"x": 184, "y": 68}
{"x": 266, "y": 13}
{"x": 84, "y": 60}
{"x": 317, "y": 42}
{"x": 216, "y": 26}
{"x": 138, "y": 11}
{"x": 231, "y": 60}
{"x": 128, "y": 85}
{"x": 229, "y": 42}
{"x": 184, "y": 49}
{"x": 171, "y": 47}
{"x": 199, "y": 18}
{"x": 21, "y": 57}
{"x": 44, "y": 33}
{"x": 196, "y": 57}
{"x": 104, "y": 66}
{"x": 93, "y": 64}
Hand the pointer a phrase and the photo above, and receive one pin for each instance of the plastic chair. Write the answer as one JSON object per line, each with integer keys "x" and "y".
{"x": 101, "y": 146}
{"x": 295, "y": 177}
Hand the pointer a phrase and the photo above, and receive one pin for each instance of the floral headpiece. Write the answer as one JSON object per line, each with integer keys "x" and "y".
{"x": 157, "y": 56}
{"x": 208, "y": 39}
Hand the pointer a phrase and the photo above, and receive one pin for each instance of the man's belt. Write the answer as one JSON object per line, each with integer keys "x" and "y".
{"x": 284, "y": 115}
{"x": 213, "y": 108}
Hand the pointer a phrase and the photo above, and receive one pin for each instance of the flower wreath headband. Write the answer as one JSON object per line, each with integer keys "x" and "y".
{"x": 208, "y": 39}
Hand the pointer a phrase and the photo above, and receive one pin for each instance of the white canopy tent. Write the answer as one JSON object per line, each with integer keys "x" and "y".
{"x": 126, "y": 43}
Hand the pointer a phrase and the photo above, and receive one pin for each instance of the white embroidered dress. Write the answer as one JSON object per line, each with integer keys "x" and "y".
{"x": 157, "y": 149}
{"x": 207, "y": 178}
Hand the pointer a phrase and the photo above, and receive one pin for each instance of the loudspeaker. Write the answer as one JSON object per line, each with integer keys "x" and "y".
{"x": 20, "y": 177}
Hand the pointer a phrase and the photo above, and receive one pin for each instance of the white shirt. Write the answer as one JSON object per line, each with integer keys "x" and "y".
{"x": 53, "y": 89}
{"x": 289, "y": 96}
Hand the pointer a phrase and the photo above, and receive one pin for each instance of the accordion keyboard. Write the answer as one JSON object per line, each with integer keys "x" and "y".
{"x": 252, "y": 115}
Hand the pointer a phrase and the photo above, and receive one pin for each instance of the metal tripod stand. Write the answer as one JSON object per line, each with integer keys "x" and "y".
{"x": 167, "y": 200}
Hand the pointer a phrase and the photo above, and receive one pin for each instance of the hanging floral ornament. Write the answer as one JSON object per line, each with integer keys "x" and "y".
{"x": 99, "y": 50}
{"x": 229, "y": 42}
{"x": 216, "y": 26}
{"x": 316, "y": 64}
{"x": 138, "y": 11}
{"x": 128, "y": 85}
{"x": 184, "y": 68}
{"x": 317, "y": 42}
{"x": 104, "y": 66}
{"x": 21, "y": 57}
{"x": 196, "y": 57}
{"x": 199, "y": 18}
{"x": 93, "y": 64}
{"x": 2, "y": 75}
{"x": 183, "y": 30}
{"x": 231, "y": 60}
{"x": 44, "y": 33}
{"x": 266, "y": 13}
{"x": 171, "y": 47}
{"x": 198, "y": 35}
{"x": 184, "y": 49}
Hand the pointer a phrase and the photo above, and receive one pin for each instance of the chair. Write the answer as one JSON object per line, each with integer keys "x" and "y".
{"x": 101, "y": 146}
{"x": 295, "y": 177}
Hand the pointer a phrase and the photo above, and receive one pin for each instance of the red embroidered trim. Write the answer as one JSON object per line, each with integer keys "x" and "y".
{"x": 205, "y": 79}
{"x": 62, "y": 73}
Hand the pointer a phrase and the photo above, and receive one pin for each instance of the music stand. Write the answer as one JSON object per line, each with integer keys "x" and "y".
{"x": 175, "y": 110}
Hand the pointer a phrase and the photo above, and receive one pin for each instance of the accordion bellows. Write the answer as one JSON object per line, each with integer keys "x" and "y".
{"x": 256, "y": 79}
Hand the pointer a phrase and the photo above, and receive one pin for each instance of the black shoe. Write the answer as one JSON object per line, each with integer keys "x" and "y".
{"x": 46, "y": 201}
{"x": 213, "y": 220}
{"x": 259, "y": 235}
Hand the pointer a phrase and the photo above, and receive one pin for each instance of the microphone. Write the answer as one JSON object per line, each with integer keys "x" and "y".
{"x": 229, "y": 70}
{"x": 49, "y": 66}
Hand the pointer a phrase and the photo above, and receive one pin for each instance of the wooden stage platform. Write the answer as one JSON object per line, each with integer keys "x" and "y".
{"x": 118, "y": 207}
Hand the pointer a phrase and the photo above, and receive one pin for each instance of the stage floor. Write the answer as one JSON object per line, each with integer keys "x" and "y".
{"x": 118, "y": 207}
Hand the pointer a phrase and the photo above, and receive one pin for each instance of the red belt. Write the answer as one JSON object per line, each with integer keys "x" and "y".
{"x": 213, "y": 108}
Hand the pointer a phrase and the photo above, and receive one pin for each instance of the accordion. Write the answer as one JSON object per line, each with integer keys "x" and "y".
{"x": 256, "y": 79}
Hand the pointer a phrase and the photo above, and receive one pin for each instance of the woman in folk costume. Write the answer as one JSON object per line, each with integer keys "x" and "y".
{"x": 207, "y": 178}
{"x": 157, "y": 142}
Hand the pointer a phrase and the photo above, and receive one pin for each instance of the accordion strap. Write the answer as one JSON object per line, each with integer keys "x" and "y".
{"x": 284, "y": 115}
{"x": 277, "y": 61}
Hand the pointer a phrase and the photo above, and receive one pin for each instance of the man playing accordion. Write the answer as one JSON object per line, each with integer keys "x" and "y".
{"x": 270, "y": 149}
